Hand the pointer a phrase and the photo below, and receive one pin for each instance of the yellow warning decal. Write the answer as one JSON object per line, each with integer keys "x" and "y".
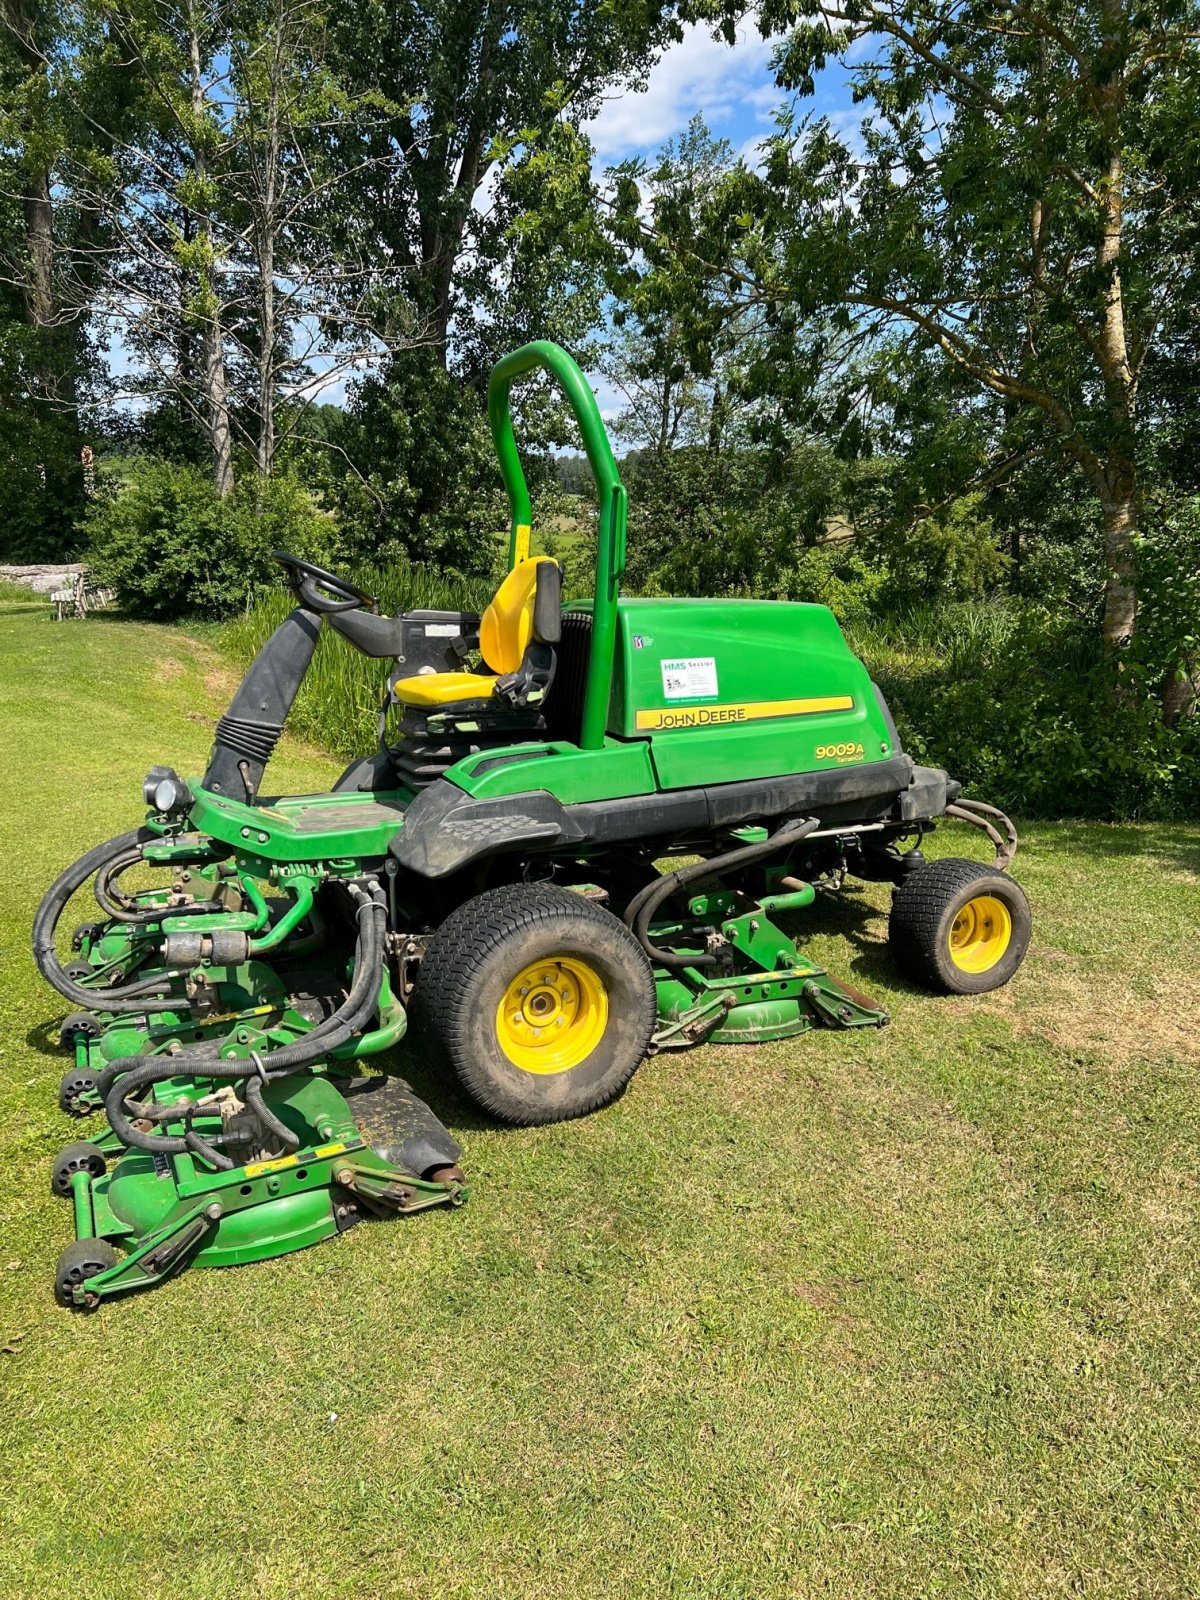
{"x": 521, "y": 543}
{"x": 744, "y": 711}
{"x": 257, "y": 1168}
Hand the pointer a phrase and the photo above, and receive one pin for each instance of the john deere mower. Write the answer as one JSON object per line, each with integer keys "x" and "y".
{"x": 501, "y": 867}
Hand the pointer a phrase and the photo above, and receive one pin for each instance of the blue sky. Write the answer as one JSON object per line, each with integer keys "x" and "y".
{"x": 732, "y": 87}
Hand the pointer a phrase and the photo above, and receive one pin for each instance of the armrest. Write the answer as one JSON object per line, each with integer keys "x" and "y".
{"x": 374, "y": 636}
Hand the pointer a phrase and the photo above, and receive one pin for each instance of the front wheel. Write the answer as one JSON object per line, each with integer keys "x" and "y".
{"x": 959, "y": 926}
{"x": 542, "y": 1002}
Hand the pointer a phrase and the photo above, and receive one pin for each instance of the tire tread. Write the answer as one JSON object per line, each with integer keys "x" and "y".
{"x": 918, "y": 905}
{"x": 471, "y": 931}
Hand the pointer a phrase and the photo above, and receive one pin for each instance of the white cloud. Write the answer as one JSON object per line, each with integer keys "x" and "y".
{"x": 699, "y": 74}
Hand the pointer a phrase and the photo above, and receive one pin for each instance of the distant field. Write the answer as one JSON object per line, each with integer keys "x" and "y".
{"x": 907, "y": 1313}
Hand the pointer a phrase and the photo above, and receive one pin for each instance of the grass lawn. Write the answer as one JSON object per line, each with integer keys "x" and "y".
{"x": 902, "y": 1313}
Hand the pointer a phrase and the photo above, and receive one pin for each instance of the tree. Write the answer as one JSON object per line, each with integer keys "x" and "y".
{"x": 479, "y": 88}
{"x": 1022, "y": 203}
{"x": 677, "y": 338}
{"x": 219, "y": 269}
{"x": 44, "y": 349}
{"x": 490, "y": 209}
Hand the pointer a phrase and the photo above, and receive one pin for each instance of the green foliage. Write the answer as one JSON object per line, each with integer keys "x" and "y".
{"x": 949, "y": 555}
{"x": 680, "y": 342}
{"x": 1011, "y": 700}
{"x": 429, "y": 488}
{"x": 169, "y": 547}
{"x": 41, "y": 481}
{"x": 1168, "y": 558}
{"x": 725, "y": 522}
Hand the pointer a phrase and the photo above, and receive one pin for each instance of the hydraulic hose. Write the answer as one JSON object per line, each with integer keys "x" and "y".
{"x": 124, "y": 1077}
{"x": 119, "y": 906}
{"x": 132, "y": 996}
{"x": 254, "y": 1099}
{"x": 647, "y": 901}
{"x": 326, "y": 1035}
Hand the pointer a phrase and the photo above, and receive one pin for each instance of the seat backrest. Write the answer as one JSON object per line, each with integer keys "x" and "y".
{"x": 525, "y": 607}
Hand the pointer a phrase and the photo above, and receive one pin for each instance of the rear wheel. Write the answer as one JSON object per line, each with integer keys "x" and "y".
{"x": 542, "y": 1002}
{"x": 959, "y": 926}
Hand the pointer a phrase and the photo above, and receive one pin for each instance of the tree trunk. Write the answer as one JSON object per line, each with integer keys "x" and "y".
{"x": 716, "y": 421}
{"x": 217, "y": 395}
{"x": 1180, "y": 692}
{"x": 39, "y": 248}
{"x": 1118, "y": 512}
{"x": 216, "y": 387}
{"x": 55, "y": 374}
{"x": 266, "y": 226}
{"x": 1118, "y": 506}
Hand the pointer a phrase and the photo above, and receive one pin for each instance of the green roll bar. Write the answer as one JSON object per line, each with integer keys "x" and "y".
{"x": 610, "y": 536}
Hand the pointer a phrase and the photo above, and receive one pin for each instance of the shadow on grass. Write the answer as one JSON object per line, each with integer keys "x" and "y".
{"x": 43, "y": 1038}
{"x": 848, "y": 917}
{"x": 436, "y": 1085}
{"x": 1155, "y": 841}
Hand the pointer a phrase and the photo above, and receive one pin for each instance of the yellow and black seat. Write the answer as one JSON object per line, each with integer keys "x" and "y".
{"x": 516, "y": 639}
{"x": 446, "y": 716}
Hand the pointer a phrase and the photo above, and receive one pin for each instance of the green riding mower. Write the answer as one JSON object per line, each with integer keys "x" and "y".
{"x": 501, "y": 869}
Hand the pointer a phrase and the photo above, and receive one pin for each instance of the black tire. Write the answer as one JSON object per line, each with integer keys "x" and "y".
{"x": 925, "y": 926}
{"x": 470, "y": 967}
{"x": 79, "y": 1261}
{"x": 78, "y": 1157}
{"x": 74, "y": 1084}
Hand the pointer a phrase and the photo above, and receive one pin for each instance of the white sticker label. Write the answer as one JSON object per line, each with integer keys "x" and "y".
{"x": 441, "y": 630}
{"x": 689, "y": 679}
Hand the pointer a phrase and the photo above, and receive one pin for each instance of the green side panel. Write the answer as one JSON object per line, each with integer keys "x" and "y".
{"x": 613, "y": 772}
{"x": 727, "y": 690}
{"x": 307, "y": 827}
{"x": 136, "y": 1198}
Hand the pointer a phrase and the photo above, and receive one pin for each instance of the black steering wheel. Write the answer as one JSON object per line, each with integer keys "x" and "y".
{"x": 315, "y": 586}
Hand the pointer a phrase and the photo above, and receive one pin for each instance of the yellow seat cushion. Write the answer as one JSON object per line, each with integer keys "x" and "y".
{"x": 439, "y": 688}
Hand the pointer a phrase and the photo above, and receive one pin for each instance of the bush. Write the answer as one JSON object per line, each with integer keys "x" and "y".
{"x": 170, "y": 548}
{"x": 1019, "y": 705}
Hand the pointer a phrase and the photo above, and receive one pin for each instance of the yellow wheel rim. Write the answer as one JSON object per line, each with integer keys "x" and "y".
{"x": 553, "y": 1015}
{"x": 980, "y": 934}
